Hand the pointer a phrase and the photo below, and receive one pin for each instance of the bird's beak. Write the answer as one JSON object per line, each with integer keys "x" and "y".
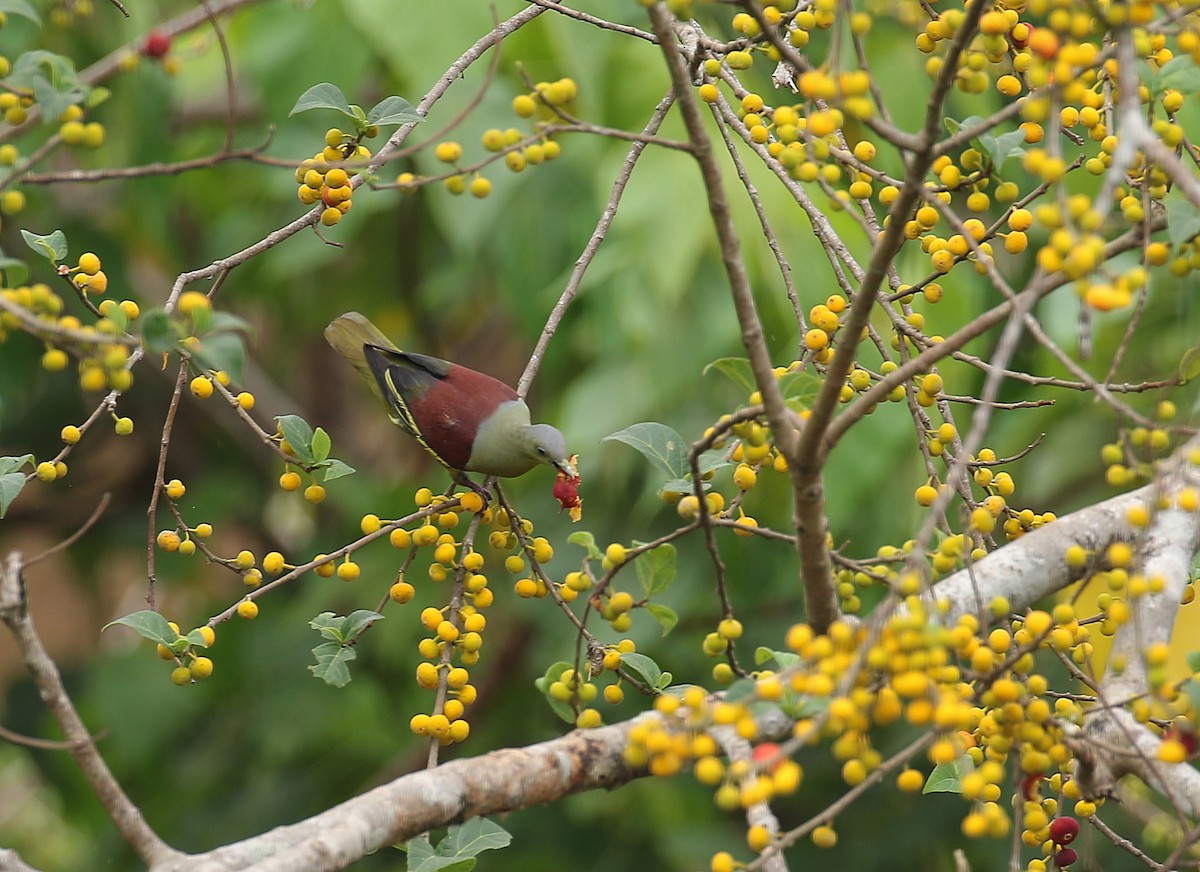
{"x": 565, "y": 468}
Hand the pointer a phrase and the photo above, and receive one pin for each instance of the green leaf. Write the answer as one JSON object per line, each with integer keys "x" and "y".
{"x": 682, "y": 486}
{"x": 20, "y": 7}
{"x": 643, "y": 666}
{"x": 656, "y": 568}
{"x": 1189, "y": 364}
{"x": 330, "y": 626}
{"x": 299, "y": 435}
{"x": 202, "y": 318}
{"x": 359, "y": 619}
{"x": 1000, "y": 148}
{"x": 782, "y": 659}
{"x": 149, "y": 625}
{"x": 226, "y": 322}
{"x": 11, "y": 484}
{"x": 665, "y": 615}
{"x": 1183, "y": 221}
{"x": 320, "y": 445}
{"x": 331, "y": 663}
{"x": 658, "y": 443}
{"x": 947, "y": 777}
{"x": 95, "y": 96}
{"x": 742, "y": 690}
{"x": 393, "y": 110}
{"x": 158, "y": 336}
{"x": 1193, "y": 661}
{"x": 53, "y": 80}
{"x": 1180, "y": 74}
{"x": 334, "y": 468}
{"x": 712, "y": 460}
{"x": 738, "y": 370}
{"x": 224, "y": 352}
{"x": 12, "y": 464}
{"x": 196, "y": 638}
{"x": 323, "y": 96}
{"x": 560, "y": 708}
{"x": 587, "y": 541}
{"x": 474, "y": 837}
{"x": 14, "y": 269}
{"x": 52, "y": 246}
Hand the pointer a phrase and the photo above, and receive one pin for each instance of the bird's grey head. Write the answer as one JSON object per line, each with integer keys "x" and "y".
{"x": 548, "y": 446}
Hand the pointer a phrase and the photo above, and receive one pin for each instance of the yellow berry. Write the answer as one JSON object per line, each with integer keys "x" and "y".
{"x": 314, "y": 493}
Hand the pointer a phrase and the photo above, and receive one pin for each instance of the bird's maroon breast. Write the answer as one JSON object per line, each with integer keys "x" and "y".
{"x": 451, "y": 411}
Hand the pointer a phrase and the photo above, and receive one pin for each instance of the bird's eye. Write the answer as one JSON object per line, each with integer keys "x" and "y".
{"x": 541, "y": 451}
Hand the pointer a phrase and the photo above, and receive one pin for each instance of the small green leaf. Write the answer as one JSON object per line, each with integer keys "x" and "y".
{"x": 560, "y": 708}
{"x": 11, "y": 484}
{"x": 334, "y": 468}
{"x": 1180, "y": 74}
{"x": 656, "y": 568}
{"x": 643, "y": 666}
{"x": 587, "y": 541}
{"x": 149, "y": 625}
{"x": 320, "y": 445}
{"x": 323, "y": 96}
{"x": 738, "y": 370}
{"x": 299, "y": 435}
{"x": 222, "y": 352}
{"x": 742, "y": 690}
{"x": 682, "y": 486}
{"x": 474, "y": 837}
{"x": 1193, "y": 661}
{"x": 1189, "y": 364}
{"x": 665, "y": 615}
{"x": 196, "y": 638}
{"x": 947, "y": 777}
{"x": 20, "y": 7}
{"x": 393, "y": 110}
{"x": 52, "y": 246}
{"x": 1000, "y": 148}
{"x": 712, "y": 460}
{"x": 330, "y": 626}
{"x": 658, "y": 443}
{"x": 201, "y": 318}
{"x": 331, "y": 663}
{"x": 158, "y": 336}
{"x": 96, "y": 96}
{"x": 14, "y": 269}
{"x": 11, "y": 464}
{"x": 359, "y": 619}
{"x": 1183, "y": 221}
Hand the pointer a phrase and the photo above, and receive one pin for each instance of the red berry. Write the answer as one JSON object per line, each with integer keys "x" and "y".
{"x": 765, "y": 751}
{"x": 1065, "y": 858}
{"x": 1063, "y": 830}
{"x": 157, "y": 44}
{"x": 1029, "y": 786}
{"x": 566, "y": 491}
{"x": 1184, "y": 735}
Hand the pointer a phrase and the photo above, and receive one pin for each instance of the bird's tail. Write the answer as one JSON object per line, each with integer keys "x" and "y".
{"x": 348, "y": 334}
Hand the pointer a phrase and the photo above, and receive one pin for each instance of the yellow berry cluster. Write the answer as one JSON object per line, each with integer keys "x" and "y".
{"x": 171, "y": 541}
{"x": 977, "y": 689}
{"x": 322, "y": 178}
{"x": 518, "y": 150}
{"x": 190, "y": 665}
{"x": 103, "y": 363}
{"x": 1132, "y": 458}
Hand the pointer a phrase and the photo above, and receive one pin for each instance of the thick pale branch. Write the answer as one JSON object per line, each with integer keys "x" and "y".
{"x": 494, "y": 783}
{"x": 124, "y": 814}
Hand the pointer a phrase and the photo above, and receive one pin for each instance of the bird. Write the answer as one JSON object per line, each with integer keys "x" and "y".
{"x": 468, "y": 421}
